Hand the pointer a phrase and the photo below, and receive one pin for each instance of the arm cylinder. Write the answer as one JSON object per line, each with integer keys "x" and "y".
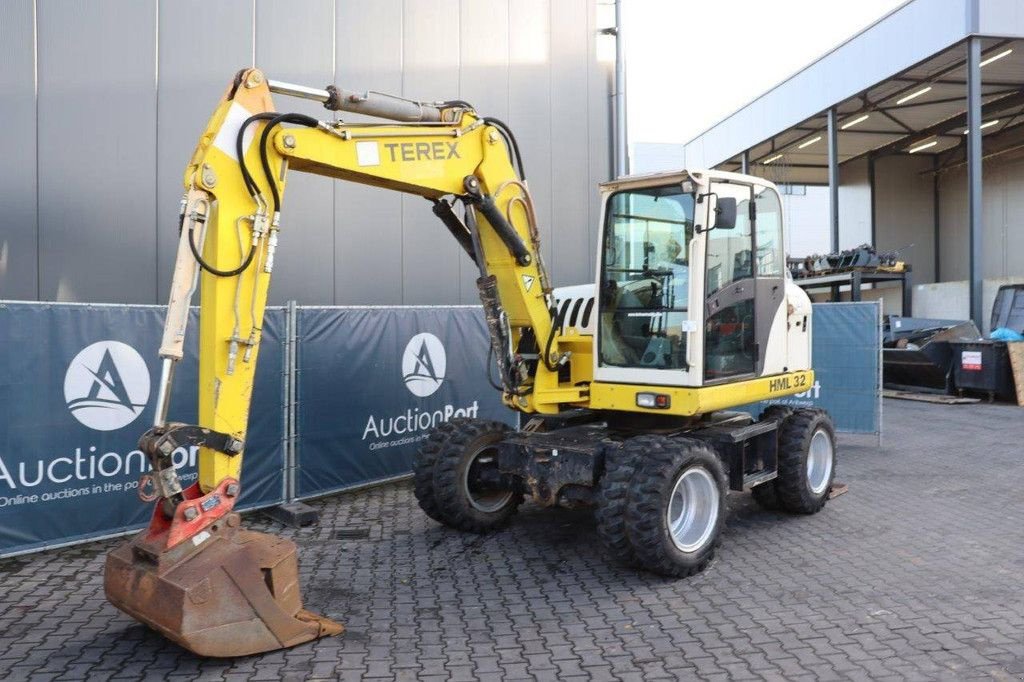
{"x": 369, "y": 103}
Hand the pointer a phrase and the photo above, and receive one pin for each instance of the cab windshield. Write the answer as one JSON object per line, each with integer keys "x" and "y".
{"x": 645, "y": 278}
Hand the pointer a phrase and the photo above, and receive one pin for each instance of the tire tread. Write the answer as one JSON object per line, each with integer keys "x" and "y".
{"x": 438, "y": 484}
{"x": 656, "y": 471}
{"x": 795, "y": 434}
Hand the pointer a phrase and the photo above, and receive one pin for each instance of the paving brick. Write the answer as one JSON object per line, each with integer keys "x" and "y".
{"x": 908, "y": 576}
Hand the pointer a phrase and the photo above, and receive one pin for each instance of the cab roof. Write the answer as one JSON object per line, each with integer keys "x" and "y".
{"x": 669, "y": 177}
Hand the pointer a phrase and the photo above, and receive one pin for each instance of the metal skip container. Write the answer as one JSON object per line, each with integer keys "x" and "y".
{"x": 983, "y": 366}
{"x": 917, "y": 351}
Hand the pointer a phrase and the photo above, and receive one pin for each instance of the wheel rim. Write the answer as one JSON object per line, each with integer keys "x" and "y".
{"x": 693, "y": 509}
{"x": 819, "y": 462}
{"x": 481, "y": 496}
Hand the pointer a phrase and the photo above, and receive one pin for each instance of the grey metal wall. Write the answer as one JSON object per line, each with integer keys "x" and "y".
{"x": 102, "y": 102}
{"x": 905, "y": 212}
{"x": 1002, "y": 238}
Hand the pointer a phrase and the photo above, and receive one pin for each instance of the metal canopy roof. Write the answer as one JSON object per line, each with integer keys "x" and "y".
{"x": 905, "y": 92}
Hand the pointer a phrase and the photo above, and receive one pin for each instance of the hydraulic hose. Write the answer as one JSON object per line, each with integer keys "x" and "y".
{"x": 555, "y": 326}
{"x": 250, "y": 184}
{"x": 510, "y": 138}
{"x": 300, "y": 119}
{"x": 209, "y": 268}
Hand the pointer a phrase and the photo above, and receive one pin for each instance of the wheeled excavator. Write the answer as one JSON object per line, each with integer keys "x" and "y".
{"x": 625, "y": 386}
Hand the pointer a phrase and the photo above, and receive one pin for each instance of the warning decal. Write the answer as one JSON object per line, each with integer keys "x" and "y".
{"x": 970, "y": 359}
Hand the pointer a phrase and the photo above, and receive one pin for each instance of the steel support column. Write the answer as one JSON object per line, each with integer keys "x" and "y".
{"x": 937, "y": 226}
{"x": 833, "y": 179}
{"x": 974, "y": 187}
{"x": 871, "y": 192}
{"x": 745, "y": 162}
{"x": 620, "y": 155}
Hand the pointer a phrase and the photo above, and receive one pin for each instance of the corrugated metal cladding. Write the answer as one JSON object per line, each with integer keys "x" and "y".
{"x": 102, "y": 102}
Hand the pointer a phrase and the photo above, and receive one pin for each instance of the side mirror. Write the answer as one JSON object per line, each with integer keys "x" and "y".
{"x": 725, "y": 213}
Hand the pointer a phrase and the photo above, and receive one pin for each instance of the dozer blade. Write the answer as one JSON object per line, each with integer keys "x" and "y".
{"x": 223, "y": 592}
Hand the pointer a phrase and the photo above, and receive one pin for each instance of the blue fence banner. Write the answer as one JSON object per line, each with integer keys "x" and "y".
{"x": 77, "y": 389}
{"x": 846, "y": 356}
{"x": 372, "y": 383}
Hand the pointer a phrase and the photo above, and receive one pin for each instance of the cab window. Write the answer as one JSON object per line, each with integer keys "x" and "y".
{"x": 770, "y": 257}
{"x": 729, "y": 292}
{"x": 645, "y": 278}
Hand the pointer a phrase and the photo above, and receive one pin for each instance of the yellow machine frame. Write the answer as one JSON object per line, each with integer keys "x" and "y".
{"x": 428, "y": 159}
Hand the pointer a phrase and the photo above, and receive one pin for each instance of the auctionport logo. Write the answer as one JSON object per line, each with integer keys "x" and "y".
{"x": 107, "y": 385}
{"x": 423, "y": 364}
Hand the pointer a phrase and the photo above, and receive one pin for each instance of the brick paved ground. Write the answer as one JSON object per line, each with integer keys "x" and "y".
{"x": 916, "y": 573}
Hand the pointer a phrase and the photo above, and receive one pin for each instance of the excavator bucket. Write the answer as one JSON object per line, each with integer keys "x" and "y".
{"x": 222, "y": 592}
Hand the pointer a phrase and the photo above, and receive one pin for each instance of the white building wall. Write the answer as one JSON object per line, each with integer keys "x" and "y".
{"x": 904, "y": 212}
{"x": 854, "y": 204}
{"x": 1002, "y": 218}
{"x": 805, "y": 217}
{"x": 1002, "y": 239}
{"x": 655, "y": 157}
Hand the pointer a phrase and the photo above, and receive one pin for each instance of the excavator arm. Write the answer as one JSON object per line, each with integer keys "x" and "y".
{"x": 194, "y": 574}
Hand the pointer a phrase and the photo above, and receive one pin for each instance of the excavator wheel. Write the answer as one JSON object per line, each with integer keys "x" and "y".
{"x": 676, "y": 508}
{"x": 807, "y": 461}
{"x": 613, "y": 497}
{"x": 423, "y": 470}
{"x": 457, "y": 481}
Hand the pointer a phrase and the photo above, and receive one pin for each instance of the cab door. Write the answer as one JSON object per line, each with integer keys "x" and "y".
{"x": 769, "y": 273}
{"x": 730, "y": 339}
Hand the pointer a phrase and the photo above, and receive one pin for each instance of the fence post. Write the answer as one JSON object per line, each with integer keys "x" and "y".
{"x": 290, "y": 424}
{"x": 291, "y": 512}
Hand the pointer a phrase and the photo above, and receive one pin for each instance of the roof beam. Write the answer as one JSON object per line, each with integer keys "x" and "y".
{"x": 914, "y": 83}
{"x": 947, "y": 100}
{"x": 870, "y": 106}
{"x": 952, "y": 81}
{"x": 859, "y": 131}
{"x": 953, "y": 122}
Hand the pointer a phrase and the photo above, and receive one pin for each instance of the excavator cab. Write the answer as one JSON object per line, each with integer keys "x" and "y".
{"x": 691, "y": 284}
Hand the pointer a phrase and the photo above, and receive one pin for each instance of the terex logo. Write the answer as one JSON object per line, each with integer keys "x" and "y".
{"x": 423, "y": 364}
{"x": 107, "y": 385}
{"x": 423, "y": 151}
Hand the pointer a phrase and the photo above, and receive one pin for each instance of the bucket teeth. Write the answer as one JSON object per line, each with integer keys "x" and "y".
{"x": 235, "y": 593}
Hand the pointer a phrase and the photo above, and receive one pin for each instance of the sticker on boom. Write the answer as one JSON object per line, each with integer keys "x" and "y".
{"x": 422, "y": 151}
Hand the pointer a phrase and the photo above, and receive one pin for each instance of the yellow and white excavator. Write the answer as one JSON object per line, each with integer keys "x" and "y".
{"x": 625, "y": 384}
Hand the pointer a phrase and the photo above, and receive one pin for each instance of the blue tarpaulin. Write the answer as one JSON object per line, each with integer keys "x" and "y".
{"x": 77, "y": 389}
{"x": 846, "y": 356}
{"x": 78, "y": 385}
{"x": 372, "y": 383}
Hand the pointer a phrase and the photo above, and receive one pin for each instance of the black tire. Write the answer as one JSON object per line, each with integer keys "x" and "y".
{"x": 441, "y": 476}
{"x": 793, "y": 484}
{"x": 765, "y": 494}
{"x": 665, "y": 461}
{"x": 423, "y": 470}
{"x": 613, "y": 499}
